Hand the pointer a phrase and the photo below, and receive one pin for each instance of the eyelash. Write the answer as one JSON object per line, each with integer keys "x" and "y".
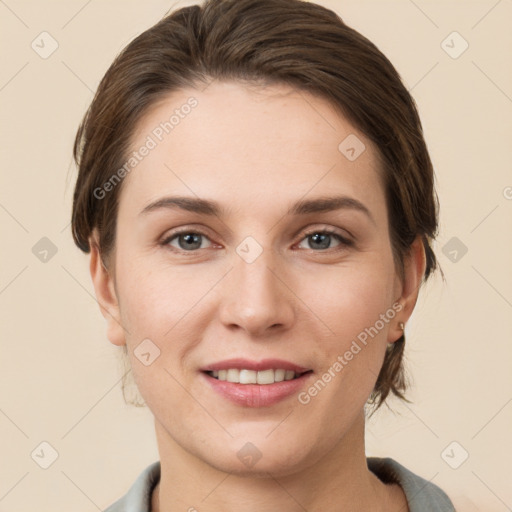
{"x": 344, "y": 242}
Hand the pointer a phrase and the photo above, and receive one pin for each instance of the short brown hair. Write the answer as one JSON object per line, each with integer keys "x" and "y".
{"x": 291, "y": 42}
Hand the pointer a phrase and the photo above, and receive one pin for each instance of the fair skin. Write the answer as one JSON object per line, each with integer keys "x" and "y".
{"x": 256, "y": 152}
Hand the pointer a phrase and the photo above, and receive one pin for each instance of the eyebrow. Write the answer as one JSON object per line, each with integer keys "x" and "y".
{"x": 302, "y": 207}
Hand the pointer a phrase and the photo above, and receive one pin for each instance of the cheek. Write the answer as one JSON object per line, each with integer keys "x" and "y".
{"x": 154, "y": 297}
{"x": 155, "y": 308}
{"x": 166, "y": 305}
{"x": 356, "y": 305}
{"x": 354, "y": 298}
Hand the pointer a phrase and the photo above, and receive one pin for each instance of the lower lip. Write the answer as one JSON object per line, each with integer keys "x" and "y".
{"x": 257, "y": 395}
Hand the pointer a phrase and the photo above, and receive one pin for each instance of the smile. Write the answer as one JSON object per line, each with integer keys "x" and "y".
{"x": 263, "y": 377}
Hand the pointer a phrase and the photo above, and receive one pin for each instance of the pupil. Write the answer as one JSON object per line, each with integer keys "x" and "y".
{"x": 190, "y": 239}
{"x": 325, "y": 237}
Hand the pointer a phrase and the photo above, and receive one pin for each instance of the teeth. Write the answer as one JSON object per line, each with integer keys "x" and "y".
{"x": 279, "y": 375}
{"x": 233, "y": 375}
{"x": 265, "y": 377}
{"x": 253, "y": 377}
{"x": 249, "y": 377}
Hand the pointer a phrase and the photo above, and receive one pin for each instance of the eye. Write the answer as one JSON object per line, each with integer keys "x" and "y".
{"x": 190, "y": 241}
{"x": 321, "y": 239}
{"x": 186, "y": 240}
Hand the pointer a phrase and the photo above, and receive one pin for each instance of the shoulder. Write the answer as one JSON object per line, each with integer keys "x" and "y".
{"x": 421, "y": 495}
{"x": 138, "y": 497}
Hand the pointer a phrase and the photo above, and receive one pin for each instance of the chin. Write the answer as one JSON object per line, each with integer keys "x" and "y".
{"x": 258, "y": 458}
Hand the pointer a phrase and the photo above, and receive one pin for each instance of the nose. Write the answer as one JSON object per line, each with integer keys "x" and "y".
{"x": 257, "y": 297}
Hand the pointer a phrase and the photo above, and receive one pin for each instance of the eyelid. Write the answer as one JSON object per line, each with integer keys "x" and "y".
{"x": 166, "y": 239}
{"x": 326, "y": 228}
{"x": 304, "y": 233}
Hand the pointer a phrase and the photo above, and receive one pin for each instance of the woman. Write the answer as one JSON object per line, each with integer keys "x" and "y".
{"x": 257, "y": 199}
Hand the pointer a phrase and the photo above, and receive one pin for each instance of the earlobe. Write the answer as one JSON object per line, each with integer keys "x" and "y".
{"x": 106, "y": 295}
{"x": 414, "y": 270}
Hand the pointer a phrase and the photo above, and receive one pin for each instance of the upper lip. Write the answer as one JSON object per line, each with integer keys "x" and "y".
{"x": 246, "y": 364}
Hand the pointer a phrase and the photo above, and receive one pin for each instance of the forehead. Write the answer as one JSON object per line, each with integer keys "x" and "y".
{"x": 249, "y": 145}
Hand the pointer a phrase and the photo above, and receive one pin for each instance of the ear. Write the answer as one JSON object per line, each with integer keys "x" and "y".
{"x": 414, "y": 270}
{"x": 106, "y": 295}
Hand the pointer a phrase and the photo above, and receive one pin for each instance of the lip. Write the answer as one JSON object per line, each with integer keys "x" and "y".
{"x": 246, "y": 364}
{"x": 256, "y": 395}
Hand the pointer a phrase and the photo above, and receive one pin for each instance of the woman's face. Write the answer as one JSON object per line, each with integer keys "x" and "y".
{"x": 260, "y": 280}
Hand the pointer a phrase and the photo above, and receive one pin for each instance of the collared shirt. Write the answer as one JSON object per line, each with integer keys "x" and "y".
{"x": 421, "y": 495}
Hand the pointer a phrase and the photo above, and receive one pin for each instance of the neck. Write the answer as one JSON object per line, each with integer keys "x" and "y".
{"x": 340, "y": 480}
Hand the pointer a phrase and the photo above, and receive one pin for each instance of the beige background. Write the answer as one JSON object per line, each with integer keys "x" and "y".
{"x": 59, "y": 375}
